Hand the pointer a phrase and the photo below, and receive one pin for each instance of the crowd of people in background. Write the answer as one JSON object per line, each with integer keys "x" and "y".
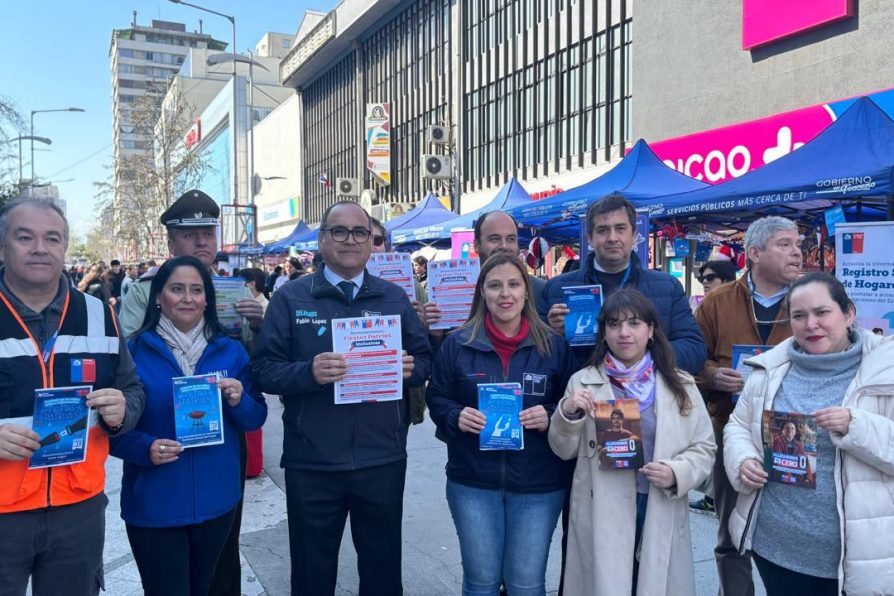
{"x": 140, "y": 325}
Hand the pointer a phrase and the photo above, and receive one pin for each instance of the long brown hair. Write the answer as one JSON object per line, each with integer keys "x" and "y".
{"x": 537, "y": 329}
{"x": 632, "y": 304}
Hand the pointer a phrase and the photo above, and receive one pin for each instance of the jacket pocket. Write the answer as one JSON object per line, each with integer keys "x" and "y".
{"x": 17, "y": 482}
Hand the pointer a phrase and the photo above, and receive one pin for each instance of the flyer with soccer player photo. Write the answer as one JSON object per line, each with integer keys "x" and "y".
{"x": 790, "y": 448}
{"x": 618, "y": 434}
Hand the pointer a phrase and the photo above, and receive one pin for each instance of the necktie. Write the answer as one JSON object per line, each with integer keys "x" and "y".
{"x": 347, "y": 288}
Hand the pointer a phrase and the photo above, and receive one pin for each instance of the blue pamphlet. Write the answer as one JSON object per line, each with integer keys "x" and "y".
{"x": 501, "y": 404}
{"x": 198, "y": 416}
{"x": 584, "y": 302}
{"x": 741, "y": 353}
{"x": 62, "y": 419}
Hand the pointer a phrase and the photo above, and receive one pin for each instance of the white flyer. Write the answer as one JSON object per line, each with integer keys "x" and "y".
{"x": 372, "y": 347}
{"x": 452, "y": 286}
{"x": 396, "y": 267}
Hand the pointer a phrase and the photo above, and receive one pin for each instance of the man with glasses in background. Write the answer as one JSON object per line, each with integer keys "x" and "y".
{"x": 347, "y": 458}
{"x": 749, "y": 311}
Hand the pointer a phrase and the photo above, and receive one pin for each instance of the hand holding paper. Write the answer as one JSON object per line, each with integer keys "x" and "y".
{"x": 408, "y": 364}
{"x": 471, "y": 420}
{"x": 231, "y": 390}
{"x": 534, "y": 418}
{"x": 109, "y": 404}
{"x": 329, "y": 367}
{"x": 17, "y": 442}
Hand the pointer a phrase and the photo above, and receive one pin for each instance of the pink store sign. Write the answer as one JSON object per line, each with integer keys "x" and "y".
{"x": 723, "y": 153}
{"x": 764, "y": 21}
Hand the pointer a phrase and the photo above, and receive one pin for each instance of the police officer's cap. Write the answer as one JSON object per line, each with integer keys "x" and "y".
{"x": 193, "y": 209}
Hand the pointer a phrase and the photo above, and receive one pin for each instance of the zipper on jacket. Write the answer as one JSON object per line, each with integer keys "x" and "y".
{"x": 748, "y": 521}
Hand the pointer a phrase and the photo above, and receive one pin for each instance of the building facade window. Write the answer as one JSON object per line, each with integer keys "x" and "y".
{"x": 548, "y": 87}
{"x": 331, "y": 135}
{"x": 407, "y": 63}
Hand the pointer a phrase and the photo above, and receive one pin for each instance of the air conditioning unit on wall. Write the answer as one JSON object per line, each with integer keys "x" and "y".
{"x": 437, "y": 135}
{"x": 347, "y": 187}
{"x": 437, "y": 167}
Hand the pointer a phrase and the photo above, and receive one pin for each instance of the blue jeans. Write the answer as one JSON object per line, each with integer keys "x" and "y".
{"x": 503, "y": 538}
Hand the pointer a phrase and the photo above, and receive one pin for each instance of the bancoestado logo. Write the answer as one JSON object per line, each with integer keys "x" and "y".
{"x": 845, "y": 185}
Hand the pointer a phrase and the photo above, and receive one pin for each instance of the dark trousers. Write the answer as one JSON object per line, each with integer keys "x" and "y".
{"x": 59, "y": 548}
{"x": 179, "y": 561}
{"x": 780, "y": 581}
{"x": 734, "y": 569}
{"x": 227, "y": 580}
{"x": 318, "y": 504}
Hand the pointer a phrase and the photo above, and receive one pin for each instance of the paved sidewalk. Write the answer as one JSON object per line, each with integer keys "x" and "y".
{"x": 431, "y": 559}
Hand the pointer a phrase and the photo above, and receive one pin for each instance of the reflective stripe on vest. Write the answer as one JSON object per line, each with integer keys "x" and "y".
{"x": 22, "y": 489}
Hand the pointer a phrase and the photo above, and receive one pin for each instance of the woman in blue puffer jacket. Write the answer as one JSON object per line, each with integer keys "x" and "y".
{"x": 178, "y": 504}
{"x": 504, "y": 503}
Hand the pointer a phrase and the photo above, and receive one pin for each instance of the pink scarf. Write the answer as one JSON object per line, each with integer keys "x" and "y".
{"x": 636, "y": 382}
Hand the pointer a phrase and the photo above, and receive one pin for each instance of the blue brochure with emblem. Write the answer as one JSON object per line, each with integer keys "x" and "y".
{"x": 62, "y": 420}
{"x": 584, "y": 303}
{"x": 501, "y": 404}
{"x": 198, "y": 415}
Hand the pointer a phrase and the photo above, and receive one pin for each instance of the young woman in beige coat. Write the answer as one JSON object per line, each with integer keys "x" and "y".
{"x": 629, "y": 529}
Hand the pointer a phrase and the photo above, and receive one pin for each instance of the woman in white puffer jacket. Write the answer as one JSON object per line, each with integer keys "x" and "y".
{"x": 839, "y": 537}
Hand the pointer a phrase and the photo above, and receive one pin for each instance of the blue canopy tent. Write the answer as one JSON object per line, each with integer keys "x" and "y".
{"x": 428, "y": 212}
{"x": 308, "y": 241}
{"x": 282, "y": 245}
{"x": 510, "y": 196}
{"x": 640, "y": 177}
{"x": 851, "y": 162}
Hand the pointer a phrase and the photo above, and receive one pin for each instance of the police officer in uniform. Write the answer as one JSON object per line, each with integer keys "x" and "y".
{"x": 192, "y": 222}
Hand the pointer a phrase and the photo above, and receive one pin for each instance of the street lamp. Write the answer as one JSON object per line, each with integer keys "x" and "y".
{"x": 33, "y": 112}
{"x": 232, "y": 20}
{"x": 31, "y": 138}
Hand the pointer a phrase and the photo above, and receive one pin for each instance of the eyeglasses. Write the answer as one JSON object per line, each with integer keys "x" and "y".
{"x": 340, "y": 234}
{"x": 378, "y": 240}
{"x": 707, "y": 278}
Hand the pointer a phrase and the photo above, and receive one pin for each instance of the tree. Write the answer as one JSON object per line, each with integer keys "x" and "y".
{"x": 144, "y": 184}
{"x": 11, "y": 126}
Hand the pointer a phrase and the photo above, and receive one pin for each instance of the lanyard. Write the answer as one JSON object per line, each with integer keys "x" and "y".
{"x": 46, "y": 361}
{"x": 50, "y": 344}
{"x": 627, "y": 273}
{"x": 624, "y": 279}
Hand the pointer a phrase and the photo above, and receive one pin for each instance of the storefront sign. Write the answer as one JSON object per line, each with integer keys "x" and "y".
{"x": 764, "y": 21}
{"x": 865, "y": 265}
{"x": 278, "y": 212}
{"x": 378, "y": 141}
{"x": 544, "y": 194}
{"x": 723, "y": 153}
{"x": 194, "y": 135}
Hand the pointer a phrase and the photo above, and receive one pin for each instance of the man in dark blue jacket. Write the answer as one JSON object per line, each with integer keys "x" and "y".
{"x": 611, "y": 222}
{"x": 348, "y": 458}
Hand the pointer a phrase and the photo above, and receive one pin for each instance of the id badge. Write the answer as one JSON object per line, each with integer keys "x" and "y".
{"x": 534, "y": 384}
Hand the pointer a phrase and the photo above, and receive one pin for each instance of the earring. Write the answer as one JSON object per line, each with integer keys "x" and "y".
{"x": 157, "y": 306}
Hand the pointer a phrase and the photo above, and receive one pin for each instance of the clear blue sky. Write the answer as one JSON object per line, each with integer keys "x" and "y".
{"x": 56, "y": 55}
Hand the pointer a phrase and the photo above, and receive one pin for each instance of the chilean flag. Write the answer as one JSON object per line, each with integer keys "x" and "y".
{"x": 324, "y": 180}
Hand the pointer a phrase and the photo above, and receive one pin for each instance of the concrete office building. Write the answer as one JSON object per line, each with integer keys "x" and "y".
{"x": 725, "y": 86}
{"x": 535, "y": 89}
{"x": 278, "y": 181}
{"x": 143, "y": 60}
{"x": 207, "y": 93}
